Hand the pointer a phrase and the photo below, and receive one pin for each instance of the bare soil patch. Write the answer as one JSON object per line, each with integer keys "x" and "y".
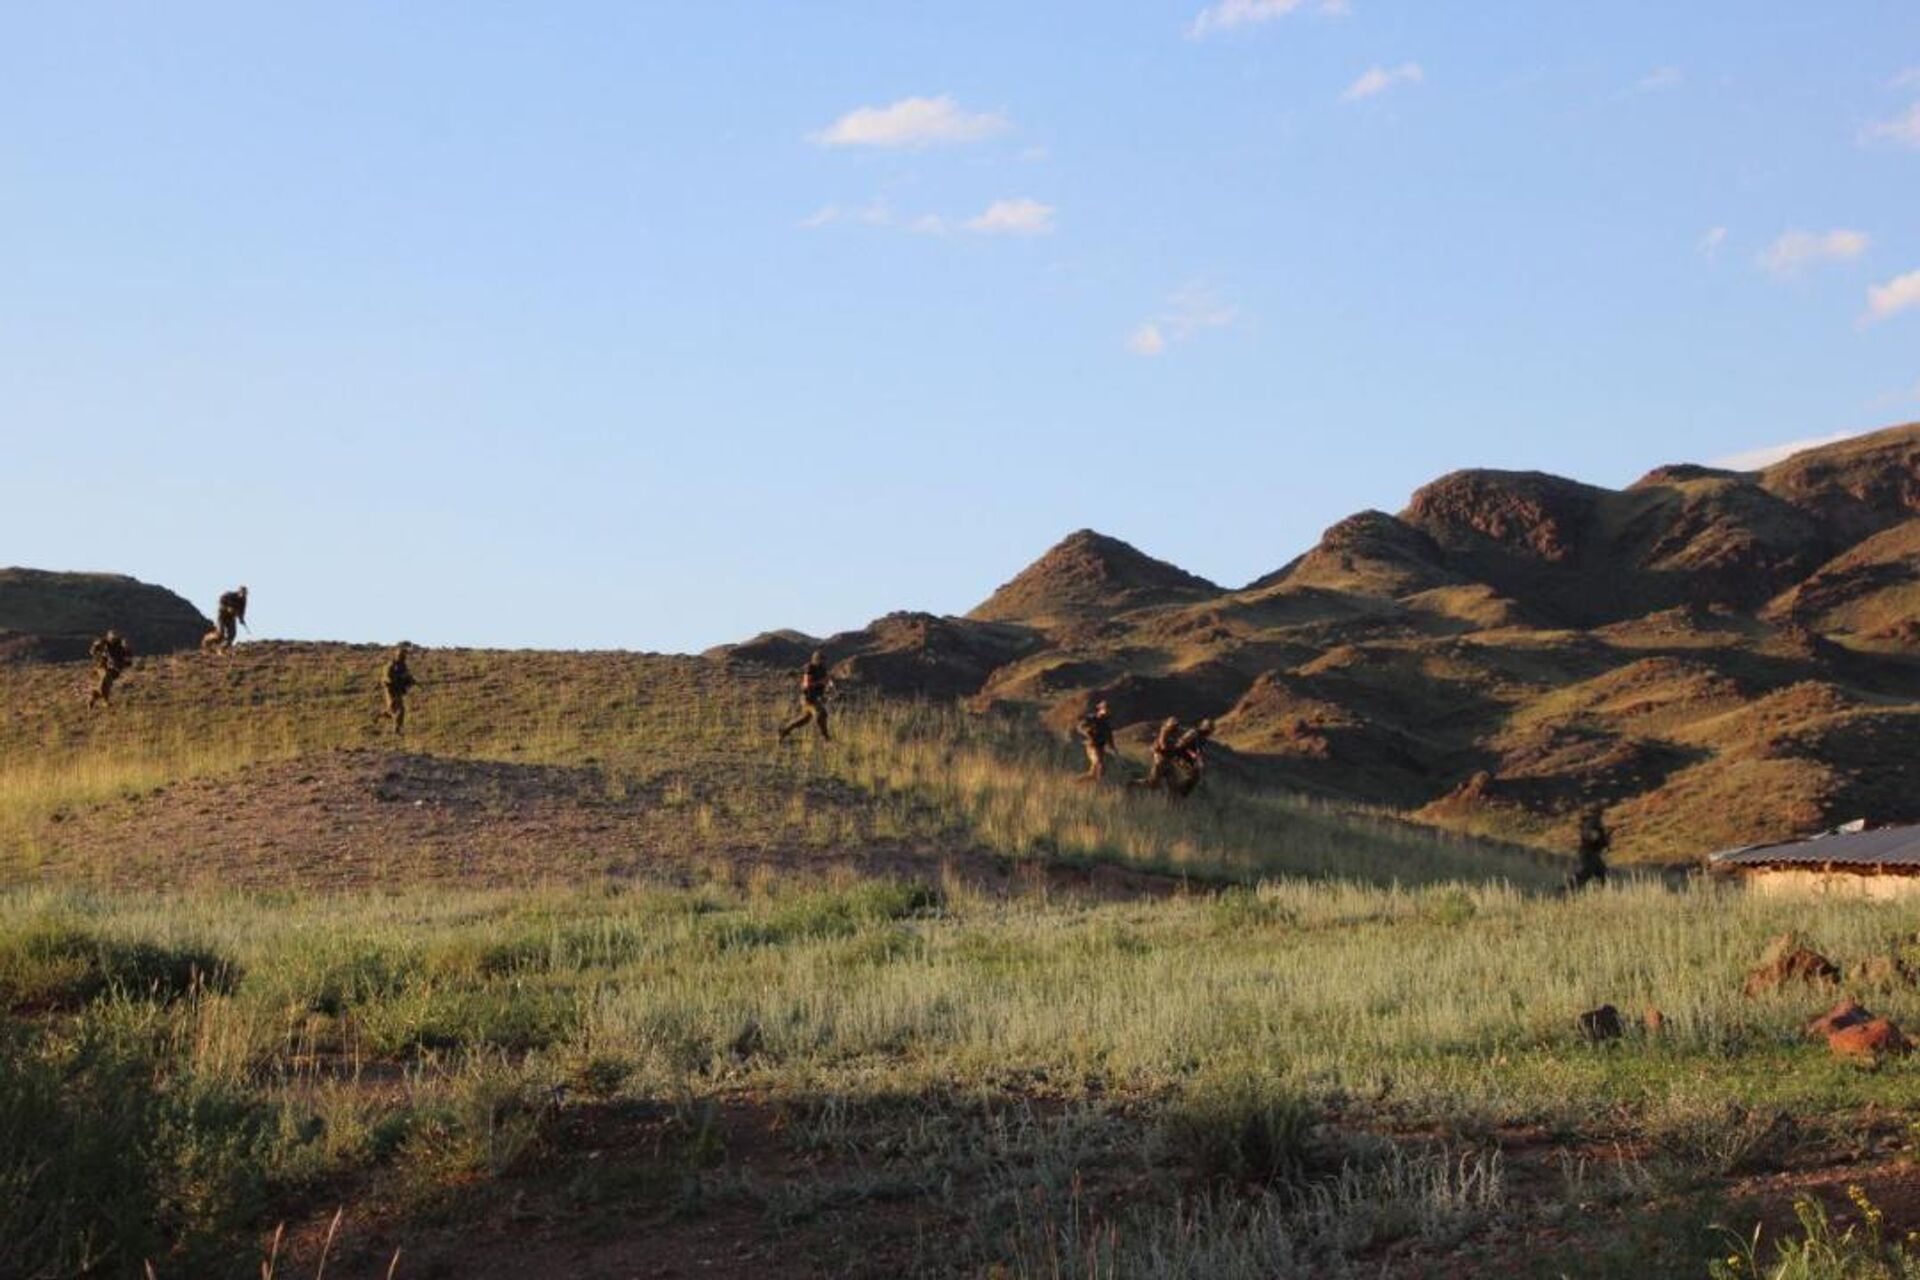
{"x": 358, "y": 818}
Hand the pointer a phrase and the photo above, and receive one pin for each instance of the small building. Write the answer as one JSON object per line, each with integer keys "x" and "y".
{"x": 1850, "y": 861}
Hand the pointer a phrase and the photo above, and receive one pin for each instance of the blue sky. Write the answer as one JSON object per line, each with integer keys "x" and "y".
{"x": 653, "y": 326}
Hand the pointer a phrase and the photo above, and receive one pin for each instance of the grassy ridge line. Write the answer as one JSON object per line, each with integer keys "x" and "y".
{"x": 922, "y": 774}
{"x": 187, "y": 716}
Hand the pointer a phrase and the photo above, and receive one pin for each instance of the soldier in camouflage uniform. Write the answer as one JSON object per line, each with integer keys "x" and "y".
{"x": 1591, "y": 863}
{"x": 815, "y": 685}
{"x": 395, "y": 681}
{"x": 111, "y": 656}
{"x": 1189, "y": 757}
{"x": 230, "y": 616}
{"x": 1165, "y": 743}
{"x": 1096, "y": 735}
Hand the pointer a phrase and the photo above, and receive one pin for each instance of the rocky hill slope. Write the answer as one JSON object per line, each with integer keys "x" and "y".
{"x": 54, "y": 616}
{"x": 1718, "y": 656}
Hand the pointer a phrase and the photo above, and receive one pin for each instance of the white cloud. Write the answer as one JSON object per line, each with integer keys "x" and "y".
{"x": 1903, "y": 130}
{"x": 1190, "y": 309}
{"x": 876, "y": 214}
{"x": 1906, "y": 79}
{"x": 1376, "y": 80}
{"x": 910, "y": 122}
{"x": 1227, "y": 14}
{"x": 1016, "y": 217}
{"x": 1147, "y": 340}
{"x": 1766, "y": 455}
{"x": 1795, "y": 250}
{"x": 1020, "y": 216}
{"x": 1893, "y": 297}
{"x": 1657, "y": 79}
{"x": 1712, "y": 242}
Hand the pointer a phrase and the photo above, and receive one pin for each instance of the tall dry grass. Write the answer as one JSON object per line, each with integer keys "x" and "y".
{"x": 898, "y": 774}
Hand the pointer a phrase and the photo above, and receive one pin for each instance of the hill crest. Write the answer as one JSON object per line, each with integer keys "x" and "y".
{"x": 1515, "y": 645}
{"x": 1089, "y": 574}
{"x": 53, "y": 616}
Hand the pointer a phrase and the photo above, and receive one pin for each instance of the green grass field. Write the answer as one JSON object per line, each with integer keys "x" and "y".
{"x": 1281, "y": 1040}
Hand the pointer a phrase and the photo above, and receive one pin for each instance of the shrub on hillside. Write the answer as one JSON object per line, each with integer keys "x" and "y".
{"x": 104, "y": 1161}
{"x": 53, "y": 965}
{"x": 1237, "y": 1126}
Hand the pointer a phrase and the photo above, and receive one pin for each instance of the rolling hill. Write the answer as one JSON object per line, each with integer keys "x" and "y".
{"x": 54, "y": 616}
{"x": 1718, "y": 656}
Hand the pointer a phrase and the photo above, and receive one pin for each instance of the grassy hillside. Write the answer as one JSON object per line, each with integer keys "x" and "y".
{"x": 592, "y": 976}
{"x": 274, "y": 767}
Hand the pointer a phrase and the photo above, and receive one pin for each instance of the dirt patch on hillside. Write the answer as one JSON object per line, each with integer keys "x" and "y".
{"x": 358, "y": 817}
{"x": 353, "y": 819}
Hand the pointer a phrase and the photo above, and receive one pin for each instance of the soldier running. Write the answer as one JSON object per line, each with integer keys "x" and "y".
{"x": 1189, "y": 757}
{"x": 111, "y": 656}
{"x": 1595, "y": 840}
{"x": 230, "y": 616}
{"x": 395, "y": 681}
{"x": 815, "y": 685}
{"x": 1096, "y": 735}
{"x": 1165, "y": 743}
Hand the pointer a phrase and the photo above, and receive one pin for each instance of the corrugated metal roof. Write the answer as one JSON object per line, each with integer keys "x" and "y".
{"x": 1886, "y": 847}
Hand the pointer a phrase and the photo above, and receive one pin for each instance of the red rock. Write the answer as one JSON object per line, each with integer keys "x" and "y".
{"x": 1868, "y": 1040}
{"x": 1848, "y": 1013}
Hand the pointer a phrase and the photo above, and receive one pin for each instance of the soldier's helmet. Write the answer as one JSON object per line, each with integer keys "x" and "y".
{"x": 241, "y": 592}
{"x": 404, "y": 647}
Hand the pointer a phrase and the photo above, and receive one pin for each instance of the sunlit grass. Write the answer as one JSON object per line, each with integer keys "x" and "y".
{"x": 1447, "y": 1009}
{"x": 703, "y": 736}
{"x": 416, "y": 1043}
